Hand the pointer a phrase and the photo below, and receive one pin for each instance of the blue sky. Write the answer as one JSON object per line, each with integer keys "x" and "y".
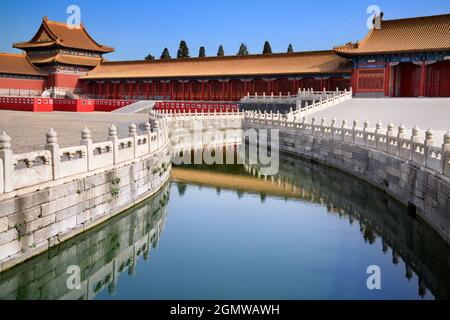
{"x": 137, "y": 27}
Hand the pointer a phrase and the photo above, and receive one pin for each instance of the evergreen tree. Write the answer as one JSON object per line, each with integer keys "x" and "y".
{"x": 243, "y": 50}
{"x": 201, "y": 52}
{"x": 149, "y": 57}
{"x": 267, "y": 49}
{"x": 183, "y": 51}
{"x": 220, "y": 52}
{"x": 165, "y": 54}
{"x": 290, "y": 49}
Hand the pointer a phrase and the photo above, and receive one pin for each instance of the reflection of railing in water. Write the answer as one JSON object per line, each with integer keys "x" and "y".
{"x": 421, "y": 248}
{"x": 102, "y": 254}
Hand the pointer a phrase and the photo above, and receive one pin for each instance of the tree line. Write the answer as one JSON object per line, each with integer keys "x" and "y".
{"x": 183, "y": 51}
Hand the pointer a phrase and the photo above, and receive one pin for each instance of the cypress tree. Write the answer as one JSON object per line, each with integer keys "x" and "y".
{"x": 243, "y": 50}
{"x": 183, "y": 51}
{"x": 201, "y": 52}
{"x": 220, "y": 52}
{"x": 267, "y": 49}
{"x": 165, "y": 54}
{"x": 149, "y": 57}
{"x": 290, "y": 49}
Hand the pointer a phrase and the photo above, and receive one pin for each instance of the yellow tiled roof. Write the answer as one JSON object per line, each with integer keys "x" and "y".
{"x": 252, "y": 65}
{"x": 420, "y": 34}
{"x": 65, "y": 59}
{"x": 11, "y": 63}
{"x": 55, "y": 33}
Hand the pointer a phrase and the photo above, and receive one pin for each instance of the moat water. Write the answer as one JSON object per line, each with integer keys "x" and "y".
{"x": 225, "y": 233}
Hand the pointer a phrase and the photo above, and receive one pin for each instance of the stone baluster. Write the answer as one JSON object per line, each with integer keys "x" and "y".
{"x": 389, "y": 134}
{"x": 114, "y": 138}
{"x": 333, "y": 125}
{"x": 86, "y": 140}
{"x": 400, "y": 136}
{"x": 428, "y": 143}
{"x": 446, "y": 154}
{"x": 365, "y": 132}
{"x": 322, "y": 125}
{"x": 52, "y": 146}
{"x": 355, "y": 126}
{"x": 7, "y": 157}
{"x": 303, "y": 124}
{"x": 414, "y": 140}
{"x": 343, "y": 127}
{"x": 132, "y": 133}
{"x": 378, "y": 129}
{"x": 148, "y": 133}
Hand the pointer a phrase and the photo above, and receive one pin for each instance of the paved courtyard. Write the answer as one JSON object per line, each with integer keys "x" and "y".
{"x": 423, "y": 112}
{"x": 27, "y": 129}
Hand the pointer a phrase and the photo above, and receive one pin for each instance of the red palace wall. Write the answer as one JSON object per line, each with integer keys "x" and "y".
{"x": 22, "y": 84}
{"x": 65, "y": 81}
{"x": 210, "y": 90}
{"x": 26, "y": 104}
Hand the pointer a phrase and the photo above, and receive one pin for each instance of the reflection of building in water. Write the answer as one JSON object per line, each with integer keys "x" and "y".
{"x": 379, "y": 216}
{"x": 102, "y": 254}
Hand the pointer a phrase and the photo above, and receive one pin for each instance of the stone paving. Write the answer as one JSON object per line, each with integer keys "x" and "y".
{"x": 28, "y": 130}
{"x": 425, "y": 113}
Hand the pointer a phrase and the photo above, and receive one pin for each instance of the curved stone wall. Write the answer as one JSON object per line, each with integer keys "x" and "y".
{"x": 415, "y": 173}
{"x": 52, "y": 195}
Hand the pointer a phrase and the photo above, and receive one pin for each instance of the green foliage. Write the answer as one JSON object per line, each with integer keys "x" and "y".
{"x": 290, "y": 49}
{"x": 149, "y": 57}
{"x": 220, "y": 51}
{"x": 243, "y": 51}
{"x": 267, "y": 48}
{"x": 183, "y": 50}
{"x": 201, "y": 52}
{"x": 165, "y": 54}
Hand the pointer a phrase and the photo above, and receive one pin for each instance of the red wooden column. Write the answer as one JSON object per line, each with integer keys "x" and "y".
{"x": 387, "y": 78}
{"x": 231, "y": 90}
{"x": 245, "y": 87}
{"x": 164, "y": 89}
{"x": 210, "y": 90}
{"x": 147, "y": 90}
{"x": 203, "y": 90}
{"x": 107, "y": 90}
{"x": 423, "y": 76}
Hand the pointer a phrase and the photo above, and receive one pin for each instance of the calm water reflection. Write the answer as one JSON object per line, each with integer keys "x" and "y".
{"x": 311, "y": 232}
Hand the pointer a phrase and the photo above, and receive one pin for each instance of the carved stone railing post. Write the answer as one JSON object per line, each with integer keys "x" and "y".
{"x": 401, "y": 135}
{"x": 414, "y": 140}
{"x": 389, "y": 134}
{"x": 132, "y": 133}
{"x": 313, "y": 125}
{"x": 148, "y": 132}
{"x": 428, "y": 143}
{"x": 53, "y": 147}
{"x": 86, "y": 140}
{"x": 378, "y": 129}
{"x": 343, "y": 127}
{"x": 7, "y": 168}
{"x": 355, "y": 125}
{"x": 365, "y": 131}
{"x": 322, "y": 125}
{"x": 446, "y": 154}
{"x": 333, "y": 124}
{"x": 113, "y": 137}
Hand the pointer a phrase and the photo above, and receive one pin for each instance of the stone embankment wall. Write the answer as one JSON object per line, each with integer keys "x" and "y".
{"x": 49, "y": 196}
{"x": 104, "y": 254}
{"x": 414, "y": 172}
